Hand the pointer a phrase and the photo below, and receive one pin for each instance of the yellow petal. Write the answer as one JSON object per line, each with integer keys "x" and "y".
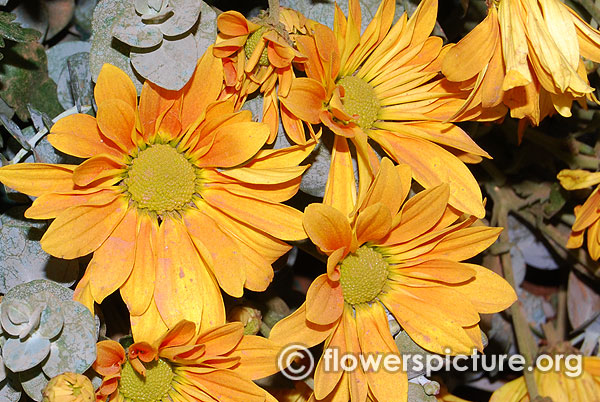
{"x": 38, "y": 178}
{"x": 79, "y": 135}
{"x": 577, "y": 179}
{"x": 324, "y": 301}
{"x": 113, "y": 83}
{"x": 489, "y": 292}
{"x": 340, "y": 191}
{"x": 148, "y": 327}
{"x": 373, "y": 223}
{"x": 82, "y": 229}
{"x": 327, "y": 227}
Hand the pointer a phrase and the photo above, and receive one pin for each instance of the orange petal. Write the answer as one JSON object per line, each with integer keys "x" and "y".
{"x": 113, "y": 260}
{"x": 110, "y": 356}
{"x": 49, "y": 205}
{"x": 227, "y": 386}
{"x": 473, "y": 52}
{"x": 232, "y": 23}
{"x": 203, "y": 88}
{"x": 221, "y": 340}
{"x": 489, "y": 292}
{"x": 324, "y": 301}
{"x": 113, "y": 83}
{"x": 373, "y": 223}
{"x": 37, "y": 179}
{"x": 187, "y": 291}
{"x": 390, "y": 186}
{"x": 439, "y": 271}
{"x": 220, "y": 252}
{"x": 154, "y": 103}
{"x": 181, "y": 334}
{"x": 234, "y": 144}
{"x": 305, "y": 99}
{"x": 79, "y": 135}
{"x": 375, "y": 339}
{"x": 95, "y": 168}
{"x": 82, "y": 229}
{"x": 465, "y": 243}
{"x": 340, "y": 191}
{"x": 116, "y": 120}
{"x": 149, "y": 326}
{"x": 327, "y": 227}
{"x": 138, "y": 289}
{"x": 295, "y": 328}
{"x": 432, "y": 165}
{"x": 258, "y": 357}
{"x": 420, "y": 213}
{"x": 278, "y": 220}
{"x": 326, "y": 380}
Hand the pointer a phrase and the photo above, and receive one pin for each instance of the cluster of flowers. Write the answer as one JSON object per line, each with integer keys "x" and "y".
{"x": 179, "y": 197}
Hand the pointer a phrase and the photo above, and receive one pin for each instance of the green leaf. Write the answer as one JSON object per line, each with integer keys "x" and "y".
{"x": 14, "y": 31}
{"x": 24, "y": 78}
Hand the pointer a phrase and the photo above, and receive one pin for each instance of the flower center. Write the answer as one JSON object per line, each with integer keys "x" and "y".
{"x": 151, "y": 388}
{"x": 363, "y": 275}
{"x": 251, "y": 44}
{"x": 360, "y": 99}
{"x": 161, "y": 179}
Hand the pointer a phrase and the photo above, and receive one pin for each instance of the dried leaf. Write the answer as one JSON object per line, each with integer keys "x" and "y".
{"x": 60, "y": 14}
{"x": 583, "y": 303}
{"x": 186, "y": 13}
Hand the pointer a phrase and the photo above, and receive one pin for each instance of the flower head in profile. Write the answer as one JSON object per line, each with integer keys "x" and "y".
{"x": 587, "y": 216}
{"x": 258, "y": 57}
{"x": 175, "y": 199}
{"x": 527, "y": 55}
{"x": 385, "y": 85}
{"x": 183, "y": 365}
{"x": 403, "y": 257}
{"x": 562, "y": 385}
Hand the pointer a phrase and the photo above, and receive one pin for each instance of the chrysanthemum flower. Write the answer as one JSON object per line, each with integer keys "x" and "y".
{"x": 526, "y": 54}
{"x": 385, "y": 85}
{"x": 183, "y": 366}
{"x": 587, "y": 216}
{"x": 400, "y": 256}
{"x": 257, "y": 57}
{"x": 556, "y": 384}
{"x": 167, "y": 199}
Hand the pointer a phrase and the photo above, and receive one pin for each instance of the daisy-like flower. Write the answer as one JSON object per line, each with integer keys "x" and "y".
{"x": 587, "y": 216}
{"x": 183, "y": 366}
{"x": 168, "y": 199}
{"x": 561, "y": 385}
{"x": 258, "y": 57}
{"x": 400, "y": 256}
{"x": 526, "y": 54}
{"x": 385, "y": 85}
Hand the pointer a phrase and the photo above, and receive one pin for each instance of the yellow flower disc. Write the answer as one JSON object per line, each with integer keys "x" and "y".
{"x": 161, "y": 179}
{"x": 151, "y": 388}
{"x": 251, "y": 44}
{"x": 360, "y": 99}
{"x": 363, "y": 275}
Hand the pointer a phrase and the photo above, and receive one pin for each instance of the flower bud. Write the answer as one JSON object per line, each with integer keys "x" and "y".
{"x": 69, "y": 387}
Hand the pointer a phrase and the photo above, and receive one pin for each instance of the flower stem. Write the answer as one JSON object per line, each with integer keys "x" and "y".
{"x": 274, "y": 11}
{"x": 525, "y": 342}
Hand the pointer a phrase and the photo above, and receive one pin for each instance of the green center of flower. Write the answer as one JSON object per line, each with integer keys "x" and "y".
{"x": 161, "y": 179}
{"x": 360, "y": 99}
{"x": 251, "y": 44}
{"x": 363, "y": 275}
{"x": 151, "y": 388}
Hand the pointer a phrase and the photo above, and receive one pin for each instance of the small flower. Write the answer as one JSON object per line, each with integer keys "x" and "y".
{"x": 527, "y": 55}
{"x": 258, "y": 57}
{"x": 184, "y": 365}
{"x": 385, "y": 86}
{"x": 175, "y": 199}
{"x": 69, "y": 387}
{"x": 587, "y": 216}
{"x": 560, "y": 385}
{"x": 403, "y": 257}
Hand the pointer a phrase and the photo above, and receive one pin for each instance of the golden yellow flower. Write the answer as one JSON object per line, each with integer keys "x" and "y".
{"x": 258, "y": 57}
{"x": 526, "y": 54}
{"x": 69, "y": 387}
{"x": 184, "y": 366}
{"x": 558, "y": 385}
{"x": 175, "y": 199}
{"x": 385, "y": 86}
{"x": 400, "y": 256}
{"x": 587, "y": 216}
